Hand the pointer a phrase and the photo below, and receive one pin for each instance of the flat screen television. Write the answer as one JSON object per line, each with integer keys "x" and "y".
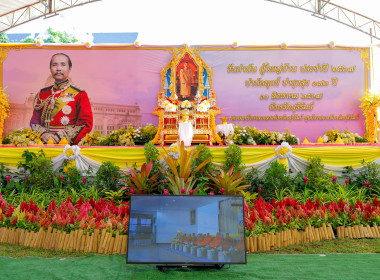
{"x": 186, "y": 230}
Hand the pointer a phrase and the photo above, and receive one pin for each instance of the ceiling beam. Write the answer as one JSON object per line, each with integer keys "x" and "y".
{"x": 326, "y": 10}
{"x": 43, "y": 8}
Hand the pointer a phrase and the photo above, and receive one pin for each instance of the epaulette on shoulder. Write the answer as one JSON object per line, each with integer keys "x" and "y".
{"x": 47, "y": 88}
{"x": 76, "y": 88}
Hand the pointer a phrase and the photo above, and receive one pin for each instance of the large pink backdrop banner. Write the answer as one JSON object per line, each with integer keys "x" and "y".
{"x": 306, "y": 91}
{"x": 263, "y": 88}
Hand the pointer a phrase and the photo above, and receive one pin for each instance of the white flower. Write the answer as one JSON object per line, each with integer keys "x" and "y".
{"x": 186, "y": 104}
{"x": 165, "y": 103}
{"x": 171, "y": 108}
{"x": 251, "y": 141}
{"x": 202, "y": 108}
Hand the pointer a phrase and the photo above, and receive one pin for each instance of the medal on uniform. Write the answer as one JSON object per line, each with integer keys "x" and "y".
{"x": 66, "y": 99}
{"x": 66, "y": 109}
{"x": 65, "y": 120}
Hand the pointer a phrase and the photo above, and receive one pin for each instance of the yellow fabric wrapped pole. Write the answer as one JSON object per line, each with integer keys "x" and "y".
{"x": 282, "y": 152}
{"x": 69, "y": 163}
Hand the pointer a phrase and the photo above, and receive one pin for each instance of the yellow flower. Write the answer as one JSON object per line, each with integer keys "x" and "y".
{"x": 174, "y": 148}
{"x": 283, "y": 151}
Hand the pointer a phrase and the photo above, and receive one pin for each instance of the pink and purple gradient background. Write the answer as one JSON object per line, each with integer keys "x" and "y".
{"x": 127, "y": 77}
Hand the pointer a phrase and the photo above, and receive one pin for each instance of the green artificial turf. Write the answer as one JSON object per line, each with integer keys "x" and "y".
{"x": 338, "y": 266}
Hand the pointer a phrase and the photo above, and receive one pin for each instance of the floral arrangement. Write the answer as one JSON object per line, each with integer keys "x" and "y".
{"x": 169, "y": 106}
{"x": 23, "y": 137}
{"x": 204, "y": 106}
{"x": 347, "y": 137}
{"x": 93, "y": 139}
{"x": 186, "y": 104}
{"x": 87, "y": 215}
{"x": 288, "y": 213}
{"x": 241, "y": 136}
{"x": 252, "y": 136}
{"x": 330, "y": 136}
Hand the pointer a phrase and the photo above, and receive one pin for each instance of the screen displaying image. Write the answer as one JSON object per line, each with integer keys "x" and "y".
{"x": 186, "y": 230}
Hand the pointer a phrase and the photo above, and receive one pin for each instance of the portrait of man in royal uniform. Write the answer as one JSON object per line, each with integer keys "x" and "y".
{"x": 61, "y": 110}
{"x": 187, "y": 80}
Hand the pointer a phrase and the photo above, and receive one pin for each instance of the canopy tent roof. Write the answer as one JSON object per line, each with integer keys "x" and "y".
{"x": 16, "y": 12}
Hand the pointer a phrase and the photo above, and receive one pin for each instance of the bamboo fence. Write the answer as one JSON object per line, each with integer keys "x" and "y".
{"x": 103, "y": 242}
{"x": 99, "y": 241}
{"x": 271, "y": 241}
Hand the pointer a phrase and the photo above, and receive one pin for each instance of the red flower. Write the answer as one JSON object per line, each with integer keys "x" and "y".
{"x": 347, "y": 181}
{"x": 211, "y": 193}
{"x": 260, "y": 190}
{"x": 222, "y": 190}
{"x": 14, "y": 221}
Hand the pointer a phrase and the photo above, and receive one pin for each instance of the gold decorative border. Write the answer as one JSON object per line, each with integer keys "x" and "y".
{"x": 194, "y": 51}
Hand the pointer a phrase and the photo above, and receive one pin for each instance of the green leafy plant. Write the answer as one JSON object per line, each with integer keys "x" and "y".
{"x": 3, "y": 175}
{"x": 145, "y": 134}
{"x": 201, "y": 175}
{"x": 368, "y": 175}
{"x": 141, "y": 182}
{"x": 40, "y": 170}
{"x": 73, "y": 179}
{"x": 276, "y": 177}
{"x": 180, "y": 170}
{"x": 254, "y": 180}
{"x": 227, "y": 182}
{"x": 317, "y": 177}
{"x": 108, "y": 176}
{"x": 116, "y": 196}
{"x": 152, "y": 155}
{"x": 233, "y": 158}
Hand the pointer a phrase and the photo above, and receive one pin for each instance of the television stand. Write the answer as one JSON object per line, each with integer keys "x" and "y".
{"x": 161, "y": 267}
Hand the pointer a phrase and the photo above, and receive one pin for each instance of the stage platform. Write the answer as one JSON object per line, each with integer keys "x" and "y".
{"x": 334, "y": 157}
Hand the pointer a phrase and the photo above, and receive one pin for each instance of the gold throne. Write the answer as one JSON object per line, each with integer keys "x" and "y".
{"x": 186, "y": 96}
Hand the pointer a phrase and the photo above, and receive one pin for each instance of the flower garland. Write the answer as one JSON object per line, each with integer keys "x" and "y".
{"x": 4, "y": 109}
{"x": 215, "y": 137}
{"x": 169, "y": 106}
{"x": 157, "y": 139}
{"x": 370, "y": 102}
{"x": 204, "y": 106}
{"x": 186, "y": 104}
